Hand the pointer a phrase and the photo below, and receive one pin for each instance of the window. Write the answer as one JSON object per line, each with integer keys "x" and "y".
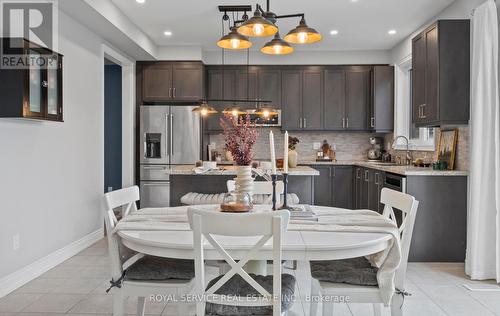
{"x": 420, "y": 138}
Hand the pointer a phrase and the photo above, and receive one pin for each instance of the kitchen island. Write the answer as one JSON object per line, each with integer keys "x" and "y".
{"x": 183, "y": 179}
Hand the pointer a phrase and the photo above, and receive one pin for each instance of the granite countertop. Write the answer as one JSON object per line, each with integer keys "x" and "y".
{"x": 397, "y": 169}
{"x": 231, "y": 170}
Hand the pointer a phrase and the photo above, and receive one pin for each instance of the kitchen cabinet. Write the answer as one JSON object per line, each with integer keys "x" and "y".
{"x": 381, "y": 118}
{"x": 222, "y": 84}
{"x": 246, "y": 83}
{"x": 357, "y": 98}
{"x": 33, "y": 92}
{"x": 334, "y": 98}
{"x": 441, "y": 74}
{"x": 368, "y": 184}
{"x": 375, "y": 185}
{"x": 333, "y": 187}
{"x": 172, "y": 81}
{"x": 291, "y": 96}
{"x": 269, "y": 85}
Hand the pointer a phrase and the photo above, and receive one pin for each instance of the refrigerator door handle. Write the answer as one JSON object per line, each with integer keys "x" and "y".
{"x": 171, "y": 134}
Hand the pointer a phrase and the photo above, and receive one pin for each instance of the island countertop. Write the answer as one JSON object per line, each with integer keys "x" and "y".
{"x": 231, "y": 170}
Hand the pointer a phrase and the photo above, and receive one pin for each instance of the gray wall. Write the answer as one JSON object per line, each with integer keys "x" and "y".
{"x": 52, "y": 173}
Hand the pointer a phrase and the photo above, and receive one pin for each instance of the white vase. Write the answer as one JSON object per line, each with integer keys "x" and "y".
{"x": 293, "y": 157}
{"x": 244, "y": 180}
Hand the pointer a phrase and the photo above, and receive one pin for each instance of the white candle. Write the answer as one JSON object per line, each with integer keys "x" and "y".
{"x": 285, "y": 154}
{"x": 273, "y": 154}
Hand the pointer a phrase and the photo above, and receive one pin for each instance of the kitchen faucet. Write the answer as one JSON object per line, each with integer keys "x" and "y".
{"x": 408, "y": 155}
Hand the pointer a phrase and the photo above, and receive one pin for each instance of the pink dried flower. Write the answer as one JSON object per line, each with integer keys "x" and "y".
{"x": 240, "y": 138}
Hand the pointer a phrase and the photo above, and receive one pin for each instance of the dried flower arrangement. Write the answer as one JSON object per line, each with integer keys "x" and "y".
{"x": 292, "y": 142}
{"x": 240, "y": 137}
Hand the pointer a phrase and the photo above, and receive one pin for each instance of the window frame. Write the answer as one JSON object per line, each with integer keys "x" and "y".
{"x": 403, "y": 111}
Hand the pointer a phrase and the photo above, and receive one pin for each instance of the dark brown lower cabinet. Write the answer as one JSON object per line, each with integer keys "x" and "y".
{"x": 333, "y": 187}
{"x": 375, "y": 185}
{"x": 368, "y": 184}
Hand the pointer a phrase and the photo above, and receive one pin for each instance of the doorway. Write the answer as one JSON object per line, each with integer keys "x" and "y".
{"x": 113, "y": 113}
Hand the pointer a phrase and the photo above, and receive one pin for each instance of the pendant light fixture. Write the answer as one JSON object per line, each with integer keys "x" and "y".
{"x": 266, "y": 111}
{"x": 233, "y": 110}
{"x": 263, "y": 24}
{"x": 277, "y": 46}
{"x": 204, "y": 109}
{"x": 234, "y": 40}
{"x": 257, "y": 26}
{"x": 303, "y": 34}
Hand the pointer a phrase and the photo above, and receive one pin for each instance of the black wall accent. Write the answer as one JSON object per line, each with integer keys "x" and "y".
{"x": 112, "y": 126}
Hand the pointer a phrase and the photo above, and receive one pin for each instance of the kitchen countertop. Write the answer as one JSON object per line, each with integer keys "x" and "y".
{"x": 231, "y": 170}
{"x": 397, "y": 169}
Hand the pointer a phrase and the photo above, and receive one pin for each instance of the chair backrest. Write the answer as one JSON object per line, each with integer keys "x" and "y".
{"x": 407, "y": 205}
{"x": 125, "y": 200}
{"x": 261, "y": 187}
{"x": 207, "y": 224}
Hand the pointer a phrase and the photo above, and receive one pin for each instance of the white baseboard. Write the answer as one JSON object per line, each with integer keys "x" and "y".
{"x": 20, "y": 277}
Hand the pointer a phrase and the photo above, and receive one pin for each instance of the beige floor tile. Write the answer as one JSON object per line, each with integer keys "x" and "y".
{"x": 77, "y": 286}
{"x": 54, "y": 303}
{"x": 17, "y": 301}
{"x": 94, "y": 251}
{"x": 42, "y": 286}
{"x": 94, "y": 304}
{"x": 463, "y": 307}
{"x": 95, "y": 272}
{"x": 152, "y": 308}
{"x": 62, "y": 272}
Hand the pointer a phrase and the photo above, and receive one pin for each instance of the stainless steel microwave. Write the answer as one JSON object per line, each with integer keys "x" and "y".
{"x": 270, "y": 121}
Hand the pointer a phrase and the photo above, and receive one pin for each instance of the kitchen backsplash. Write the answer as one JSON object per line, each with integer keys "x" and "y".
{"x": 462, "y": 151}
{"x": 348, "y": 146}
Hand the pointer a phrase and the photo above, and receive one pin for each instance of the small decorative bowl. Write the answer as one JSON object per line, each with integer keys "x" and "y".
{"x": 236, "y": 202}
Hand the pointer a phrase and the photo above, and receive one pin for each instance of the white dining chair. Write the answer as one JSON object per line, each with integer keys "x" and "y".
{"x": 139, "y": 275}
{"x": 262, "y": 187}
{"x": 210, "y": 226}
{"x": 392, "y": 200}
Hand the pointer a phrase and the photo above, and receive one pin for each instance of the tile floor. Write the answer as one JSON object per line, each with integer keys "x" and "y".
{"x": 77, "y": 287}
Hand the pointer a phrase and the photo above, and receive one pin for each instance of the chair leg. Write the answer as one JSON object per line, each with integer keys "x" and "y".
{"x": 315, "y": 294}
{"x": 397, "y": 305}
{"x": 118, "y": 304}
{"x": 294, "y": 265}
{"x": 141, "y": 306}
{"x": 377, "y": 310}
{"x": 327, "y": 308}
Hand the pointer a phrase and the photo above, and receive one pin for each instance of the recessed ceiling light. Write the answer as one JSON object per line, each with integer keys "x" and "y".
{"x": 391, "y": 32}
{"x": 334, "y": 32}
{"x": 167, "y": 33}
{"x": 354, "y": 0}
{"x": 140, "y": 1}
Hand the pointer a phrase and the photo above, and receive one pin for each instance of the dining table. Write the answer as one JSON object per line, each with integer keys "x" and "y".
{"x": 175, "y": 240}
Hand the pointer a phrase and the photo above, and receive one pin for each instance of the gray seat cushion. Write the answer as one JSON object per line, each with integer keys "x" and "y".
{"x": 237, "y": 286}
{"x": 357, "y": 271}
{"x": 150, "y": 268}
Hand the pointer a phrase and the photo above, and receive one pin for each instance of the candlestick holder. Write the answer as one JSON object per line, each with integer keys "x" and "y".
{"x": 285, "y": 205}
{"x": 273, "y": 179}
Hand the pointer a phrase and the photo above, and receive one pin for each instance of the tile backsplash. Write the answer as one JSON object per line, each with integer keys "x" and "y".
{"x": 348, "y": 146}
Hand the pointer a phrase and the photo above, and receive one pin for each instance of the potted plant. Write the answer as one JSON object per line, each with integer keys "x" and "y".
{"x": 292, "y": 153}
{"x": 240, "y": 136}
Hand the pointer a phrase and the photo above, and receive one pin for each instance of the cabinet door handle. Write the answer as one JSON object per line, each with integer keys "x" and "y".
{"x": 366, "y": 175}
{"x": 343, "y": 122}
{"x": 305, "y": 125}
{"x": 169, "y": 92}
{"x": 347, "y": 122}
{"x": 423, "y": 110}
{"x": 300, "y": 122}
{"x": 372, "y": 121}
{"x": 174, "y": 92}
{"x": 358, "y": 173}
{"x": 376, "y": 178}
{"x": 171, "y": 134}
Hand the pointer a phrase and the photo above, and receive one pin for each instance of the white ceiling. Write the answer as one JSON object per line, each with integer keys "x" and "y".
{"x": 362, "y": 25}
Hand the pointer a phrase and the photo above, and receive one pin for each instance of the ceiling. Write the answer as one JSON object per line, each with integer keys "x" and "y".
{"x": 362, "y": 24}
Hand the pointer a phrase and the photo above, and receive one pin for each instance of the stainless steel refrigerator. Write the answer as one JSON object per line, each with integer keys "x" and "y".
{"x": 169, "y": 135}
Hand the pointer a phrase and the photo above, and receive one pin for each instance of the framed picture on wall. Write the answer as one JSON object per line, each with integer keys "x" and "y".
{"x": 447, "y": 147}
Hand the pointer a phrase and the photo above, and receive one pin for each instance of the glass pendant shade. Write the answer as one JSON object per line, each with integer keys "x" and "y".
{"x": 204, "y": 109}
{"x": 277, "y": 46}
{"x": 257, "y": 26}
{"x": 303, "y": 34}
{"x": 233, "y": 40}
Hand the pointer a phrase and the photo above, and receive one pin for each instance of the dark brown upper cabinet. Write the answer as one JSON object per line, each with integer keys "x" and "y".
{"x": 358, "y": 97}
{"x": 223, "y": 83}
{"x": 381, "y": 118}
{"x": 291, "y": 96}
{"x": 172, "y": 81}
{"x": 334, "y": 116}
{"x": 269, "y": 85}
{"x": 32, "y": 92}
{"x": 441, "y": 74}
{"x": 246, "y": 78}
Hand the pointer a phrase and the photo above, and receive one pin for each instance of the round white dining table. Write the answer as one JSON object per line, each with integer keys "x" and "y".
{"x": 296, "y": 244}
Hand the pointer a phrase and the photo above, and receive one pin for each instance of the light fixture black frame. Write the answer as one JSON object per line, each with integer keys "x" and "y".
{"x": 271, "y": 16}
